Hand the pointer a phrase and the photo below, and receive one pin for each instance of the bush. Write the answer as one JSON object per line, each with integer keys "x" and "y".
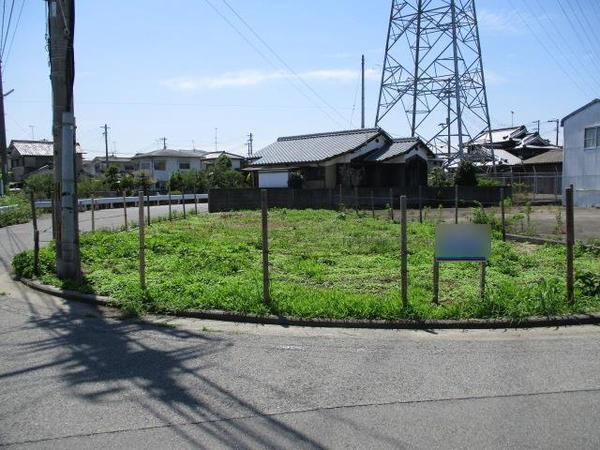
{"x": 438, "y": 177}
{"x": 466, "y": 174}
{"x": 488, "y": 182}
{"x": 20, "y": 211}
{"x": 296, "y": 180}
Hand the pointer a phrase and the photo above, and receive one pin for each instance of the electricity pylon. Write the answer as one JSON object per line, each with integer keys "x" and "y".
{"x": 433, "y": 70}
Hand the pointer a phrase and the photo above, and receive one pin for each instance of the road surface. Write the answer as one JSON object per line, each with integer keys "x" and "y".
{"x": 76, "y": 376}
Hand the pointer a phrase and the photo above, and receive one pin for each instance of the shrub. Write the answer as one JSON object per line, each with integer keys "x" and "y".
{"x": 466, "y": 174}
{"x": 488, "y": 182}
{"x": 438, "y": 177}
{"x": 296, "y": 180}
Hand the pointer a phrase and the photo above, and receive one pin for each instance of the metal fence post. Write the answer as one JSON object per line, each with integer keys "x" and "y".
{"x": 570, "y": 244}
{"x": 482, "y": 280}
{"x": 404, "y": 251}
{"x": 125, "y": 210}
{"x": 195, "y": 201}
{"x": 436, "y": 281}
{"x": 456, "y": 203}
{"x": 183, "y": 202}
{"x": 93, "y": 200}
{"x": 502, "y": 214}
{"x": 142, "y": 254}
{"x": 265, "y": 245}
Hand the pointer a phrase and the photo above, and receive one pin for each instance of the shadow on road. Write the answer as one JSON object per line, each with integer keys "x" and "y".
{"x": 159, "y": 369}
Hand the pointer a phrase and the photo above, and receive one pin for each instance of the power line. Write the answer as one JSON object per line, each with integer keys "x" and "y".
{"x": 4, "y": 36}
{"x": 12, "y": 39}
{"x": 575, "y": 29}
{"x": 281, "y": 60}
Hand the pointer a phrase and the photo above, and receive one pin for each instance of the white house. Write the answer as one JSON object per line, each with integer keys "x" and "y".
{"x": 161, "y": 164}
{"x": 581, "y": 156}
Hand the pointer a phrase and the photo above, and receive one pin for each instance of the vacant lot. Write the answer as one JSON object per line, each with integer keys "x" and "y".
{"x": 323, "y": 264}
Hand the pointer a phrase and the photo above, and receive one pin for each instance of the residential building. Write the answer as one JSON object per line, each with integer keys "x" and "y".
{"x": 358, "y": 158}
{"x": 549, "y": 162}
{"x": 27, "y": 157}
{"x": 581, "y": 160}
{"x": 237, "y": 161}
{"x": 161, "y": 164}
{"x": 125, "y": 164}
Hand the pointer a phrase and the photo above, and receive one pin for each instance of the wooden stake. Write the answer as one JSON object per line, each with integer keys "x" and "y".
{"x": 570, "y": 245}
{"x": 148, "y": 206}
{"x": 391, "y": 204}
{"x": 93, "y": 210}
{"x": 482, "y": 280}
{"x": 502, "y": 214}
{"x": 404, "y": 250}
{"x": 420, "y": 204}
{"x": 372, "y": 203}
{"x": 195, "y": 201}
{"x": 142, "y": 244}
{"x": 456, "y": 204}
{"x": 265, "y": 245}
{"x": 183, "y": 202}
{"x": 36, "y": 238}
{"x": 170, "y": 206}
{"x": 436, "y": 281}
{"x": 125, "y": 210}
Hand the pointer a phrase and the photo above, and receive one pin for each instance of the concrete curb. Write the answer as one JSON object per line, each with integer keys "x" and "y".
{"x": 529, "y": 322}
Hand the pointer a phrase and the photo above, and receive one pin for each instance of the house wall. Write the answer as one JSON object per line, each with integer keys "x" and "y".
{"x": 581, "y": 167}
{"x": 172, "y": 165}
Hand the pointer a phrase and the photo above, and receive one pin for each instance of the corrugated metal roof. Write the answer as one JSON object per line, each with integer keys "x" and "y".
{"x": 36, "y": 148}
{"x": 396, "y": 148}
{"x": 550, "y": 157}
{"x": 170, "y": 153}
{"x": 313, "y": 147}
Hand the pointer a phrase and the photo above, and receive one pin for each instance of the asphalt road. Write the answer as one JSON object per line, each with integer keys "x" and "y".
{"x": 75, "y": 376}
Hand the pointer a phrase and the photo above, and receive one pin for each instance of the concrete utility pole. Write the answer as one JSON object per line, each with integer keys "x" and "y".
{"x": 250, "y": 145}
{"x": 362, "y": 120}
{"x": 3, "y": 149}
{"x": 105, "y": 133}
{"x": 512, "y": 118}
{"x": 164, "y": 139}
{"x": 557, "y": 122}
{"x": 216, "y": 139}
{"x": 61, "y": 28}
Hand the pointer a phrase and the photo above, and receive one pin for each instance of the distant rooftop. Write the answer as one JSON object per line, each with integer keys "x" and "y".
{"x": 162, "y": 153}
{"x": 36, "y": 148}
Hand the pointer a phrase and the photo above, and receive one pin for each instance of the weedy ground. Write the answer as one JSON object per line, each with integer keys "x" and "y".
{"x": 323, "y": 264}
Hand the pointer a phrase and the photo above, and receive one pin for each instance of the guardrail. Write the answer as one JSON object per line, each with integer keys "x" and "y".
{"x": 9, "y": 207}
{"x": 111, "y": 201}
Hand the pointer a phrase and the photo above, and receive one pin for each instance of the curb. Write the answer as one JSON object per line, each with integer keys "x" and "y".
{"x": 404, "y": 324}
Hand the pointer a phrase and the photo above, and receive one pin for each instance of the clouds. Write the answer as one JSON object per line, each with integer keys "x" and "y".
{"x": 250, "y": 78}
{"x": 507, "y": 21}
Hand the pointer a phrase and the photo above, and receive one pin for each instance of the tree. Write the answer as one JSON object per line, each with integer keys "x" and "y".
{"x": 41, "y": 185}
{"x": 221, "y": 176}
{"x": 466, "y": 174}
{"x": 296, "y": 180}
{"x": 176, "y": 182}
{"x": 142, "y": 180}
{"x": 127, "y": 183}
{"x": 438, "y": 177}
{"x": 194, "y": 180}
{"x": 112, "y": 178}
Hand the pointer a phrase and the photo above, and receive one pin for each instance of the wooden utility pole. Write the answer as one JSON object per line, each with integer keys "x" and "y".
{"x": 3, "y": 149}
{"x": 61, "y": 28}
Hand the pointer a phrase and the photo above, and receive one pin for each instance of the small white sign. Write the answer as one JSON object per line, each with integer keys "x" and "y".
{"x": 463, "y": 242}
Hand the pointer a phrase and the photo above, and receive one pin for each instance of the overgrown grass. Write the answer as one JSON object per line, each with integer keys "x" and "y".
{"x": 323, "y": 264}
{"x": 20, "y": 214}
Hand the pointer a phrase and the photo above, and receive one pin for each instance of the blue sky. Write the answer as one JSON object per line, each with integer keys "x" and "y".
{"x": 153, "y": 68}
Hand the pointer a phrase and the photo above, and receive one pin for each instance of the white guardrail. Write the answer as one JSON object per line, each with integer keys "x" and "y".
{"x": 133, "y": 201}
{"x": 7, "y": 208}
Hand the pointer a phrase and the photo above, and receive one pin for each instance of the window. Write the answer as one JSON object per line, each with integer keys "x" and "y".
{"x": 160, "y": 165}
{"x": 184, "y": 165}
{"x": 145, "y": 165}
{"x": 592, "y": 137}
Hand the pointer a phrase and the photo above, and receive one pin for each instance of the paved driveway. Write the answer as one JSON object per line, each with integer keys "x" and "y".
{"x": 76, "y": 376}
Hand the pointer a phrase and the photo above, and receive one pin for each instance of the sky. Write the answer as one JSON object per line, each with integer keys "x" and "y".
{"x": 182, "y": 68}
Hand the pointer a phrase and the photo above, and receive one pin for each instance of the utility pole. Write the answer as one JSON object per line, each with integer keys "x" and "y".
{"x": 32, "y": 127}
{"x": 512, "y": 118}
{"x": 216, "y": 139}
{"x": 3, "y": 149}
{"x": 250, "y": 144}
{"x": 557, "y": 122}
{"x": 61, "y": 28}
{"x": 105, "y": 133}
{"x": 538, "y": 125}
{"x": 164, "y": 139}
{"x": 362, "y": 121}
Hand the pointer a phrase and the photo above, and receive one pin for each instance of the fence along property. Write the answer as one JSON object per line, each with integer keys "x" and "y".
{"x": 223, "y": 200}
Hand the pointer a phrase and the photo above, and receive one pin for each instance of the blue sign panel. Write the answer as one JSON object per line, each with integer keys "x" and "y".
{"x": 463, "y": 242}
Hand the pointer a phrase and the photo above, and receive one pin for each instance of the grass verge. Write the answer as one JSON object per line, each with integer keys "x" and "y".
{"x": 323, "y": 264}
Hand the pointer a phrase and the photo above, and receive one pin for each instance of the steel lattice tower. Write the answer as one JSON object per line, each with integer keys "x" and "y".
{"x": 433, "y": 68}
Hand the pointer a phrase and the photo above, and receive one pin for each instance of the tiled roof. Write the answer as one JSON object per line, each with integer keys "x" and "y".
{"x": 314, "y": 147}
{"x": 550, "y": 157}
{"x": 170, "y": 153}
{"x": 396, "y": 148}
{"x": 500, "y": 135}
{"x": 36, "y": 148}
